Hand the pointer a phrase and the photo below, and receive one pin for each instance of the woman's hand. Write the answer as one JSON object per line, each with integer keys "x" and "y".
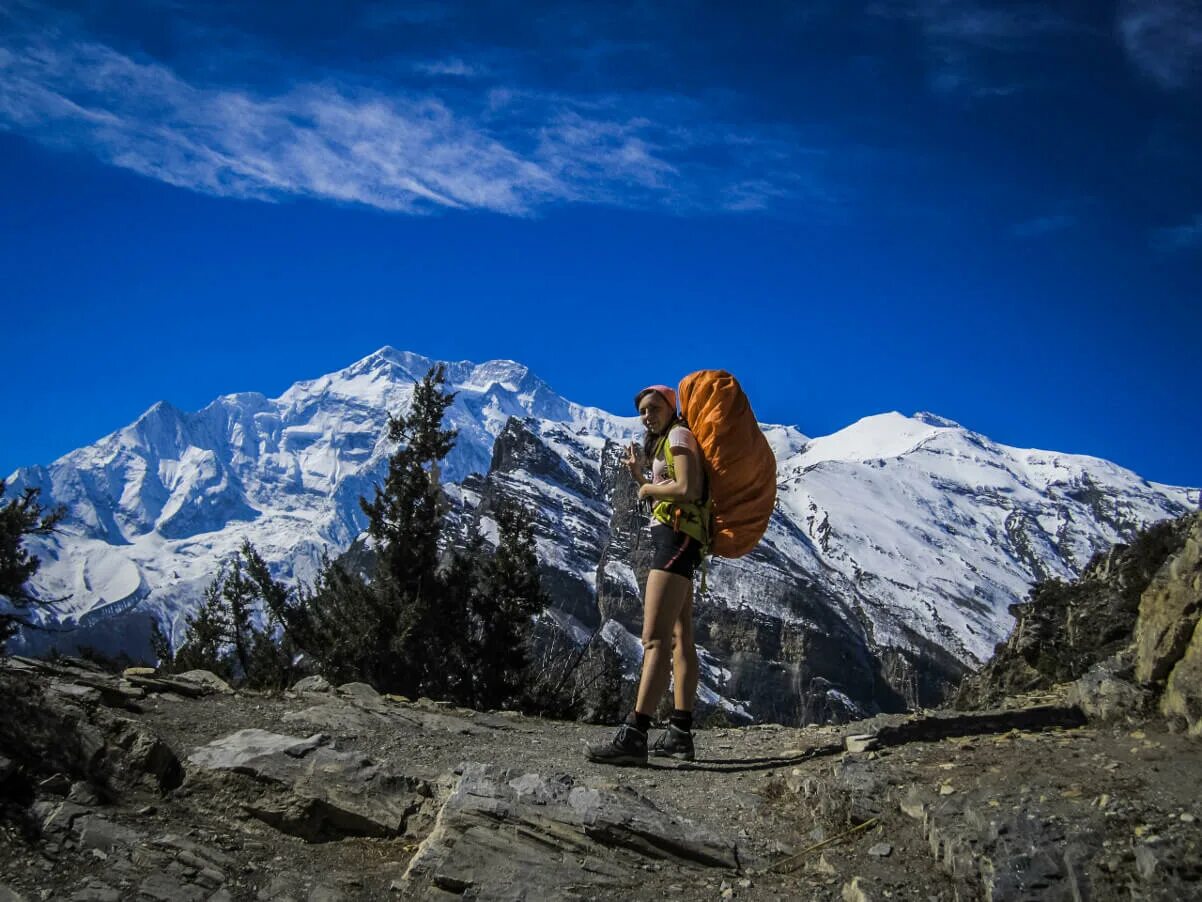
{"x": 644, "y": 491}
{"x": 634, "y": 463}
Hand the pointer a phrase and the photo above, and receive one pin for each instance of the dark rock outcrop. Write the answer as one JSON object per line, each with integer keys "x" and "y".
{"x": 1066, "y": 629}
{"x": 65, "y": 726}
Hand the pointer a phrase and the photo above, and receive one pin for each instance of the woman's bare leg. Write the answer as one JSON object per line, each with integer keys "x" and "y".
{"x": 684, "y": 658}
{"x": 667, "y": 593}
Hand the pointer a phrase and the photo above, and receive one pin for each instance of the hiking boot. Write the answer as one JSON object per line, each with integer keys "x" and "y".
{"x": 629, "y": 746}
{"x": 674, "y": 743}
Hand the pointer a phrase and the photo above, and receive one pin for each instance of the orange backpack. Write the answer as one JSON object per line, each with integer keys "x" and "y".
{"x": 738, "y": 459}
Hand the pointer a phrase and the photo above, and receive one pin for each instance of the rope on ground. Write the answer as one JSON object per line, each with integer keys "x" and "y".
{"x": 871, "y": 822}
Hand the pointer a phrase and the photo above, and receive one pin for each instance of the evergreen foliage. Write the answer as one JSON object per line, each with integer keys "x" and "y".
{"x": 20, "y": 517}
{"x": 510, "y": 595}
{"x": 451, "y": 626}
{"x": 222, "y": 637}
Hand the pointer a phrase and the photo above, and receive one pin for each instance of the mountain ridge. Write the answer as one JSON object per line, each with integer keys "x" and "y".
{"x": 914, "y": 533}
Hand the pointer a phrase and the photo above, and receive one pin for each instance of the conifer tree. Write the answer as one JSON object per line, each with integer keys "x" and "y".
{"x": 454, "y": 627}
{"x": 336, "y": 622}
{"x": 222, "y": 636}
{"x": 404, "y": 520}
{"x": 206, "y": 636}
{"x": 509, "y": 595}
{"x": 19, "y": 518}
{"x": 393, "y": 631}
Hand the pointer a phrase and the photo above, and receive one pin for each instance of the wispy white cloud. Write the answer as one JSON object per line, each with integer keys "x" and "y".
{"x": 1185, "y": 237}
{"x": 965, "y": 39}
{"x": 452, "y": 66}
{"x": 1012, "y": 25}
{"x": 1163, "y": 39}
{"x": 1040, "y": 226}
{"x": 501, "y": 149}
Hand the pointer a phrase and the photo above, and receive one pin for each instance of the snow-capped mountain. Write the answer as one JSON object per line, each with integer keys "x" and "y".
{"x": 897, "y": 545}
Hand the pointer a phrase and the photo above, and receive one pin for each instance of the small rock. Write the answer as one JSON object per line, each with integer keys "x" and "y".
{"x": 1187, "y": 818}
{"x": 947, "y": 789}
{"x": 360, "y": 692}
{"x": 856, "y": 890}
{"x": 95, "y": 891}
{"x": 745, "y": 883}
{"x": 83, "y": 793}
{"x": 312, "y": 684}
{"x": 138, "y": 671}
{"x": 166, "y": 888}
{"x": 823, "y": 866}
{"x": 1145, "y": 862}
{"x": 205, "y": 678}
{"x": 97, "y": 833}
{"x": 881, "y": 850}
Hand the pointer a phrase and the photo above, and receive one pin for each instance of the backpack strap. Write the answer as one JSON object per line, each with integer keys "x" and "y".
{"x": 691, "y": 517}
{"x": 664, "y": 450}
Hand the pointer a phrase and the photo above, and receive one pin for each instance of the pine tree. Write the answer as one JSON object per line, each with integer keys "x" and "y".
{"x": 206, "y": 635}
{"x": 509, "y": 596}
{"x": 455, "y": 628}
{"x": 394, "y": 630}
{"x": 336, "y": 622}
{"x": 405, "y": 520}
{"x": 19, "y": 518}
{"x": 222, "y": 636}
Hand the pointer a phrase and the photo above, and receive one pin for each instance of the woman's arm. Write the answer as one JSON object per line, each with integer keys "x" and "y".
{"x": 686, "y": 486}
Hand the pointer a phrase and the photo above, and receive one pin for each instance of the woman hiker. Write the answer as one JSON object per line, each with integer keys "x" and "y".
{"x": 675, "y": 490}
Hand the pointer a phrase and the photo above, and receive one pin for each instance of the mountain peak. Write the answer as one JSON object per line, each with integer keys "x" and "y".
{"x": 390, "y": 358}
{"x": 933, "y": 419}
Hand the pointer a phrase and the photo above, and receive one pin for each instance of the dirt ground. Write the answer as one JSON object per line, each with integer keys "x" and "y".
{"x": 1093, "y": 812}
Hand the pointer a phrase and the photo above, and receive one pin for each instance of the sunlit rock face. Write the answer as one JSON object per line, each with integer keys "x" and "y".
{"x": 897, "y": 545}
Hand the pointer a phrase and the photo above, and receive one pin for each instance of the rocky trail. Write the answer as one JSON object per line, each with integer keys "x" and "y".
{"x": 140, "y": 787}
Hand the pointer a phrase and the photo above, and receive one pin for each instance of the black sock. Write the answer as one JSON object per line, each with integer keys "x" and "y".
{"x": 641, "y": 722}
{"x": 682, "y": 720}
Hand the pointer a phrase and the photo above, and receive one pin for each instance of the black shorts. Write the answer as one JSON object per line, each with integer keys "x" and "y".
{"x": 674, "y": 552}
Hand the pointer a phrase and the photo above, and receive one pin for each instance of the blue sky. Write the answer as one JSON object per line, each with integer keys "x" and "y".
{"x": 992, "y": 211}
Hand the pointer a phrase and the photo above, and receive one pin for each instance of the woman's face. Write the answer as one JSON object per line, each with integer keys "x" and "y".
{"x": 655, "y": 412}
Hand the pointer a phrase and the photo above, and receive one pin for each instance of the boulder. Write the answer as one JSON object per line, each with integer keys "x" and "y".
{"x": 1169, "y": 610}
{"x": 503, "y": 834}
{"x": 205, "y": 678}
{"x": 1183, "y": 690}
{"x": 360, "y": 692}
{"x": 1107, "y": 693}
{"x": 48, "y": 732}
{"x": 313, "y": 683}
{"x": 306, "y": 788}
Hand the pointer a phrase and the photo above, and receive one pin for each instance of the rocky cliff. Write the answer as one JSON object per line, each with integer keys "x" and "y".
{"x": 1123, "y": 641}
